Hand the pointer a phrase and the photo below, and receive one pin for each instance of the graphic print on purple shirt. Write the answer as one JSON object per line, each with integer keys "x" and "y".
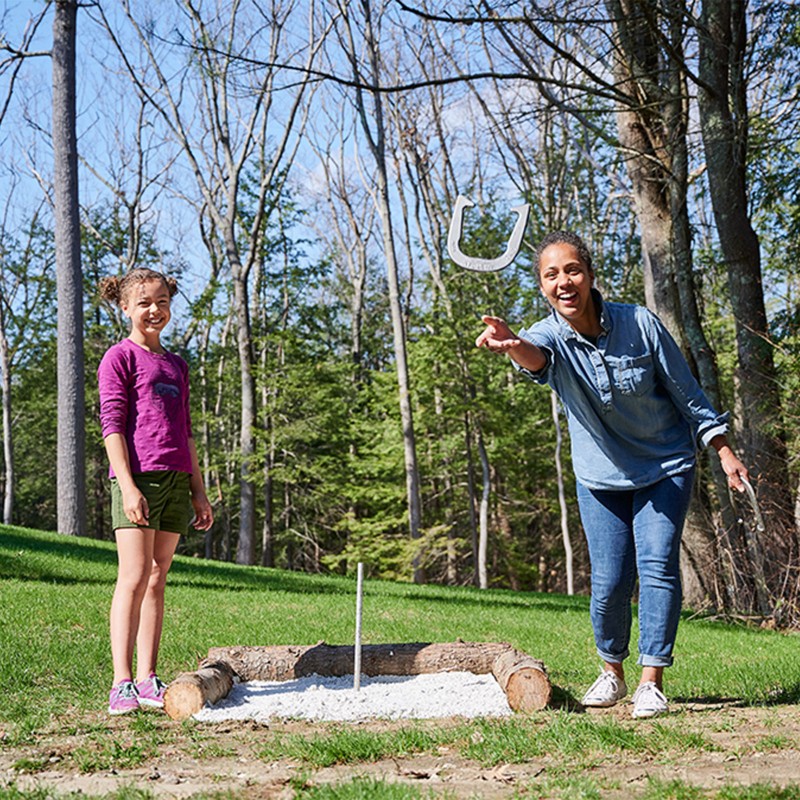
{"x": 145, "y": 397}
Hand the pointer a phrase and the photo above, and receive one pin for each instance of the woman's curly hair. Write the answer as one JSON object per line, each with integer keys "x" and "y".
{"x": 564, "y": 237}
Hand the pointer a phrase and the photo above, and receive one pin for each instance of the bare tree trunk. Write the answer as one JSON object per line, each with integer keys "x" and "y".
{"x": 652, "y": 131}
{"x": 268, "y": 525}
{"x": 245, "y": 548}
{"x": 562, "y": 501}
{"x": 70, "y": 468}
{"x": 641, "y": 138}
{"x": 483, "y": 516}
{"x": 377, "y": 144}
{"x": 724, "y": 123}
{"x": 472, "y": 493}
{"x": 8, "y": 437}
{"x": 205, "y": 434}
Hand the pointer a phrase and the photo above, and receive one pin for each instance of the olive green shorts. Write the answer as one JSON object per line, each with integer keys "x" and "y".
{"x": 167, "y": 495}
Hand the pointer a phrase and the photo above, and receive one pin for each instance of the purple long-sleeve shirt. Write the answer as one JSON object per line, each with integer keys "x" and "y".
{"x": 145, "y": 397}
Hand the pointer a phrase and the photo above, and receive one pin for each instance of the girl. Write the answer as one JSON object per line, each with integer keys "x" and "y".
{"x": 156, "y": 485}
{"x": 636, "y": 418}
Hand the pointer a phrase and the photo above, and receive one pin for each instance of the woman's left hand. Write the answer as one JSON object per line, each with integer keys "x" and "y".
{"x": 735, "y": 470}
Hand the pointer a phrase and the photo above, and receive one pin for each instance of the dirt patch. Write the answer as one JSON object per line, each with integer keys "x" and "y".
{"x": 98, "y": 755}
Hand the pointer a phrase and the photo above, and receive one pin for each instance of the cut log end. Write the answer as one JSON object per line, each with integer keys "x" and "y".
{"x": 524, "y": 680}
{"x": 529, "y": 690}
{"x": 190, "y": 691}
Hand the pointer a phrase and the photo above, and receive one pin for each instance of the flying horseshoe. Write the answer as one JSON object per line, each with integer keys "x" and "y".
{"x": 484, "y": 264}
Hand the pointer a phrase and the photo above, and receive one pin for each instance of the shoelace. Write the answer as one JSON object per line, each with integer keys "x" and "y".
{"x": 648, "y": 691}
{"x": 605, "y": 677}
{"x": 127, "y": 690}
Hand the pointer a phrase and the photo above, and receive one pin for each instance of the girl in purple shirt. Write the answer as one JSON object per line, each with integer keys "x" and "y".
{"x": 156, "y": 484}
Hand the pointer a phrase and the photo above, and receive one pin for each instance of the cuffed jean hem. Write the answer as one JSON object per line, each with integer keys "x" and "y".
{"x": 616, "y": 658}
{"x": 655, "y": 661}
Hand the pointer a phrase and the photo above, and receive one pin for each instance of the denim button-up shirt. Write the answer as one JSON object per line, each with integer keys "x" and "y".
{"x": 635, "y": 412}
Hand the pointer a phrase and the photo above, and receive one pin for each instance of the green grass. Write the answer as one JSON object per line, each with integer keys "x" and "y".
{"x": 678, "y": 790}
{"x": 126, "y": 793}
{"x": 55, "y": 669}
{"x": 55, "y": 593}
{"x": 342, "y": 744}
{"x": 573, "y": 738}
{"x": 366, "y": 789}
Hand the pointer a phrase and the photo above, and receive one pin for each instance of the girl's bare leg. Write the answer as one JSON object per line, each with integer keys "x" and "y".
{"x": 152, "y": 608}
{"x": 135, "y": 557}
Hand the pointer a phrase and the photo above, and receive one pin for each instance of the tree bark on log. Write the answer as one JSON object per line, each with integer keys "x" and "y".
{"x": 523, "y": 678}
{"x": 190, "y": 691}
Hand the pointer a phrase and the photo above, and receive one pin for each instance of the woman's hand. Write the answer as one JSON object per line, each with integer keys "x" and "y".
{"x": 497, "y": 337}
{"x": 735, "y": 470}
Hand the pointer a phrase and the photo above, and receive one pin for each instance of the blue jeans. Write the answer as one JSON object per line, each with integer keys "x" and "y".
{"x": 630, "y": 531}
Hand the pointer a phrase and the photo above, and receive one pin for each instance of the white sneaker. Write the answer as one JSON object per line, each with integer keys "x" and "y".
{"x": 606, "y": 691}
{"x": 648, "y": 701}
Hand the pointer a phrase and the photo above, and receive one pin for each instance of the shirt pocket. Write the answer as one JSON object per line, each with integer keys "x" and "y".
{"x": 633, "y": 375}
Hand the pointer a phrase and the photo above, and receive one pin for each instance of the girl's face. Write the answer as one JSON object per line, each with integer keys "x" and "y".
{"x": 567, "y": 285}
{"x": 147, "y": 304}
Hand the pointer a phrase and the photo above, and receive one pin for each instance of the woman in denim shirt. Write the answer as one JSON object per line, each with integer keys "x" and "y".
{"x": 636, "y": 417}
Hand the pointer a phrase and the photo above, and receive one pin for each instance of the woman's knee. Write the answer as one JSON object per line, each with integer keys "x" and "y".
{"x": 614, "y": 586}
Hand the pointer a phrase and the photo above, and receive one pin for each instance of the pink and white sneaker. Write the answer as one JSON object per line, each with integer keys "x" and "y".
{"x": 123, "y": 698}
{"x": 151, "y": 691}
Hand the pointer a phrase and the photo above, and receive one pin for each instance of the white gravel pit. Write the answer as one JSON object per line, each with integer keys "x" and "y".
{"x": 441, "y": 694}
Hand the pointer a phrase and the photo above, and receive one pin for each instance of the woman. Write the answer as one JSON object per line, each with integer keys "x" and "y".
{"x": 636, "y": 416}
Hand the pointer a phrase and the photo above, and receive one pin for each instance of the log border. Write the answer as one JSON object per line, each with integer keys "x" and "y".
{"x": 523, "y": 678}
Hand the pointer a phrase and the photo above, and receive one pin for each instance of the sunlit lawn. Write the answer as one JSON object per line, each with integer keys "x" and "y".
{"x": 54, "y": 652}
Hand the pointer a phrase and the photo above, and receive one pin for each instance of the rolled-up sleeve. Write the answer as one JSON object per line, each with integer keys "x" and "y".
{"x": 541, "y": 376}
{"x": 683, "y": 388}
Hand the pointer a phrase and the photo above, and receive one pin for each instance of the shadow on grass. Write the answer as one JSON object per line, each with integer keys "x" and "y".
{"x": 62, "y": 559}
{"x": 564, "y": 700}
{"x": 533, "y": 601}
{"x": 782, "y": 696}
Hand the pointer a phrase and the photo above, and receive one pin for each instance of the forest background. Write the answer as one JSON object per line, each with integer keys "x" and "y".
{"x": 295, "y": 165}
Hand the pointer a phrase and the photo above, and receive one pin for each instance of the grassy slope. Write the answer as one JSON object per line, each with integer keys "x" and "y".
{"x": 55, "y": 593}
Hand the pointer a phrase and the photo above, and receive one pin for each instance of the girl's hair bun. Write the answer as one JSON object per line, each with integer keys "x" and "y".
{"x": 115, "y": 289}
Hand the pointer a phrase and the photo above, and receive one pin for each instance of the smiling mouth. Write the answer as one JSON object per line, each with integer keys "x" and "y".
{"x": 568, "y": 297}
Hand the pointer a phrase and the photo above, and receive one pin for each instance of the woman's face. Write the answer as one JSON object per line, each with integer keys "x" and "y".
{"x": 567, "y": 284}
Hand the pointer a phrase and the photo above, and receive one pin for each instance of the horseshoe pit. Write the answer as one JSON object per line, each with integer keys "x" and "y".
{"x": 522, "y": 678}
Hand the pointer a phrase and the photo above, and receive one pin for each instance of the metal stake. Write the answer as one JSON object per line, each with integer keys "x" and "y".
{"x": 357, "y": 659}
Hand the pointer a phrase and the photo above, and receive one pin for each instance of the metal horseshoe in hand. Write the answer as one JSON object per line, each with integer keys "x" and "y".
{"x": 484, "y": 264}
